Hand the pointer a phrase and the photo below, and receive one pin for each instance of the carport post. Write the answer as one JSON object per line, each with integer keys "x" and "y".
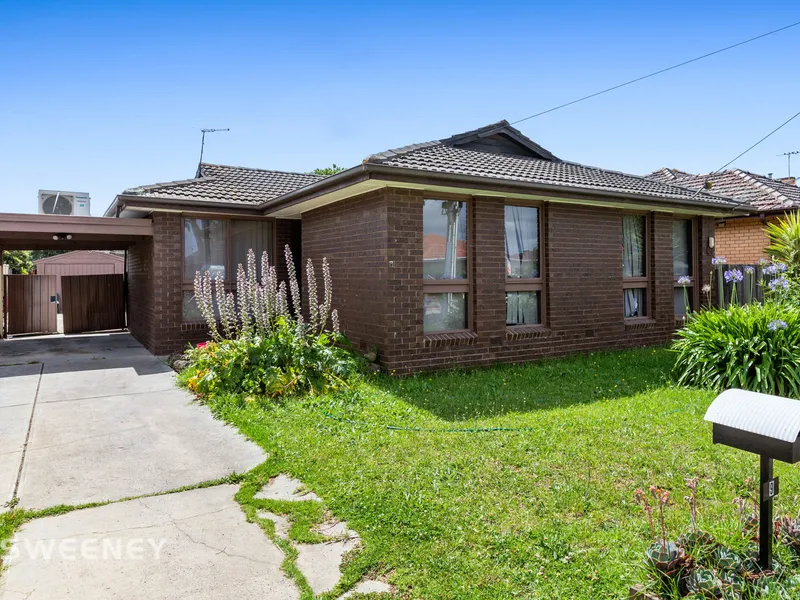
{"x": 767, "y": 492}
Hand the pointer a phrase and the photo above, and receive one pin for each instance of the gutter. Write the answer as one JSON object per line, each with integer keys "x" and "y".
{"x": 374, "y": 171}
{"x": 183, "y": 205}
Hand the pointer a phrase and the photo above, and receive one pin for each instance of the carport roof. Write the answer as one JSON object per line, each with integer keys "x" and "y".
{"x": 35, "y": 232}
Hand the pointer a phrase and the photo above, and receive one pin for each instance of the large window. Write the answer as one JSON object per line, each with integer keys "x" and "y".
{"x": 683, "y": 264}
{"x": 445, "y": 256}
{"x": 219, "y": 246}
{"x": 635, "y": 271}
{"x": 523, "y": 266}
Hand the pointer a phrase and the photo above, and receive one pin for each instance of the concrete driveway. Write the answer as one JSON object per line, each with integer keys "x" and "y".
{"x": 97, "y": 418}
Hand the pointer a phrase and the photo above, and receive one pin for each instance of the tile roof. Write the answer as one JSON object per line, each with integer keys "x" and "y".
{"x": 745, "y": 188}
{"x": 221, "y": 183}
{"x": 441, "y": 157}
{"x": 475, "y": 153}
{"x": 666, "y": 175}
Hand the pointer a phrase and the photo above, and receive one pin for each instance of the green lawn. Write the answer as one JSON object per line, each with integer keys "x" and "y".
{"x": 546, "y": 512}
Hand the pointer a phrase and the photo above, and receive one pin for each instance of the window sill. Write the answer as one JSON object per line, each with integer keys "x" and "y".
{"x": 524, "y": 332}
{"x": 639, "y": 323}
{"x": 194, "y": 326}
{"x": 455, "y": 338}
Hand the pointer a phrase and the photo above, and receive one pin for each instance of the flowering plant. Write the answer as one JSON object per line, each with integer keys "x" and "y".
{"x": 264, "y": 344}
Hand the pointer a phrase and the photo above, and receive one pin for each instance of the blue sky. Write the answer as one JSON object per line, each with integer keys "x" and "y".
{"x": 100, "y": 96}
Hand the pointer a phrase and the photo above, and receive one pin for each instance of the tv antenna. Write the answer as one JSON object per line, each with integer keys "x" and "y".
{"x": 788, "y": 156}
{"x": 203, "y": 142}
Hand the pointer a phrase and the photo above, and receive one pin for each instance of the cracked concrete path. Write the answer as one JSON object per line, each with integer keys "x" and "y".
{"x": 193, "y": 544}
{"x": 95, "y": 418}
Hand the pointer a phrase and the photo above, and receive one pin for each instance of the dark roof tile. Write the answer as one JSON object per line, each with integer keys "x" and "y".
{"x": 440, "y": 157}
{"x": 221, "y": 183}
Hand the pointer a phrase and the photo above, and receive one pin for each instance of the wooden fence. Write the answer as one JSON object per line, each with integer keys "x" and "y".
{"x": 93, "y": 302}
{"x": 30, "y": 304}
{"x": 750, "y": 289}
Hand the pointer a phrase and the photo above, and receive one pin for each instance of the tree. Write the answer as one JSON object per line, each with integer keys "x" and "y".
{"x": 19, "y": 261}
{"x": 332, "y": 170}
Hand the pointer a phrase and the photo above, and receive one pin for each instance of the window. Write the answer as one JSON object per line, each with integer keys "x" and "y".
{"x": 445, "y": 265}
{"x": 523, "y": 266}
{"x": 219, "y": 246}
{"x": 683, "y": 264}
{"x": 634, "y": 265}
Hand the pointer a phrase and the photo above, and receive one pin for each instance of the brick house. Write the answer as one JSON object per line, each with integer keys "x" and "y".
{"x": 740, "y": 238}
{"x": 483, "y": 247}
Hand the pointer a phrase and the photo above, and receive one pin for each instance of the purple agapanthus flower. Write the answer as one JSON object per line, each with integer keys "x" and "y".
{"x": 684, "y": 280}
{"x": 718, "y": 260}
{"x": 733, "y": 276}
{"x": 763, "y": 262}
{"x": 749, "y": 269}
{"x": 779, "y": 283}
{"x": 771, "y": 270}
{"x": 777, "y": 324}
{"x": 781, "y": 267}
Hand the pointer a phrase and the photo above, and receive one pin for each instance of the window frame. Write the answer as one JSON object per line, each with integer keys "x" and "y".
{"x": 635, "y": 283}
{"x": 535, "y": 284}
{"x": 450, "y": 286}
{"x": 694, "y": 289}
{"x": 230, "y": 282}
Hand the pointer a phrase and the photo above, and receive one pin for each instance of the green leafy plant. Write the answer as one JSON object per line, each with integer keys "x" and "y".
{"x": 18, "y": 261}
{"x": 263, "y": 347}
{"x": 754, "y": 347}
{"x": 282, "y": 363}
{"x": 784, "y": 240}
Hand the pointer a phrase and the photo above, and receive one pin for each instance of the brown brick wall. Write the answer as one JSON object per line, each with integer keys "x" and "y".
{"x": 374, "y": 243}
{"x": 742, "y": 241}
{"x": 353, "y": 236}
{"x": 155, "y": 284}
{"x": 140, "y": 291}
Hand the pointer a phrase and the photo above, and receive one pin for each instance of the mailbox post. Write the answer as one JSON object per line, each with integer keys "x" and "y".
{"x": 765, "y": 425}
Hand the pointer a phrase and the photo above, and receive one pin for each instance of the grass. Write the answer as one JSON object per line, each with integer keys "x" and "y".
{"x": 543, "y": 512}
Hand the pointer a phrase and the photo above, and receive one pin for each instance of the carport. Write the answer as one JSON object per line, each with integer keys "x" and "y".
{"x": 31, "y": 297}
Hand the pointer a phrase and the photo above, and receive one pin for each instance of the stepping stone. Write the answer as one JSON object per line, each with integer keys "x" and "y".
{"x": 370, "y": 586}
{"x": 284, "y": 487}
{"x": 321, "y": 563}
{"x": 336, "y": 529}
{"x": 282, "y": 524}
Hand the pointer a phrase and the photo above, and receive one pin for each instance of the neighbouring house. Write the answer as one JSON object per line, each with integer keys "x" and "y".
{"x": 479, "y": 248}
{"x": 79, "y": 262}
{"x": 740, "y": 238}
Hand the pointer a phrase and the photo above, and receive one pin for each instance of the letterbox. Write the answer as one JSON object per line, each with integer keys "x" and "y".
{"x": 765, "y": 425}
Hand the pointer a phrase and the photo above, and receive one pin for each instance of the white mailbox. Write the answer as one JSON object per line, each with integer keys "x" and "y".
{"x": 765, "y": 425}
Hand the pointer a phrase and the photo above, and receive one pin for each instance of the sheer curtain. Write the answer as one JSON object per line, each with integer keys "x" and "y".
{"x": 633, "y": 261}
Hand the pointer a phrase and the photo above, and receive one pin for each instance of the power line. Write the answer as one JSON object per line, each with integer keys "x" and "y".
{"x": 727, "y": 164}
{"x": 778, "y": 128}
{"x": 684, "y": 63}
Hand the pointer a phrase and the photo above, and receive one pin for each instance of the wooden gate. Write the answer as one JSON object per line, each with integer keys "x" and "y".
{"x": 30, "y": 304}
{"x": 93, "y": 302}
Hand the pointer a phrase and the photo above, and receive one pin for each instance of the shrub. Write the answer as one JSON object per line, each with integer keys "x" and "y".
{"x": 282, "y": 363}
{"x": 263, "y": 346}
{"x": 753, "y": 347}
{"x": 784, "y": 241}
